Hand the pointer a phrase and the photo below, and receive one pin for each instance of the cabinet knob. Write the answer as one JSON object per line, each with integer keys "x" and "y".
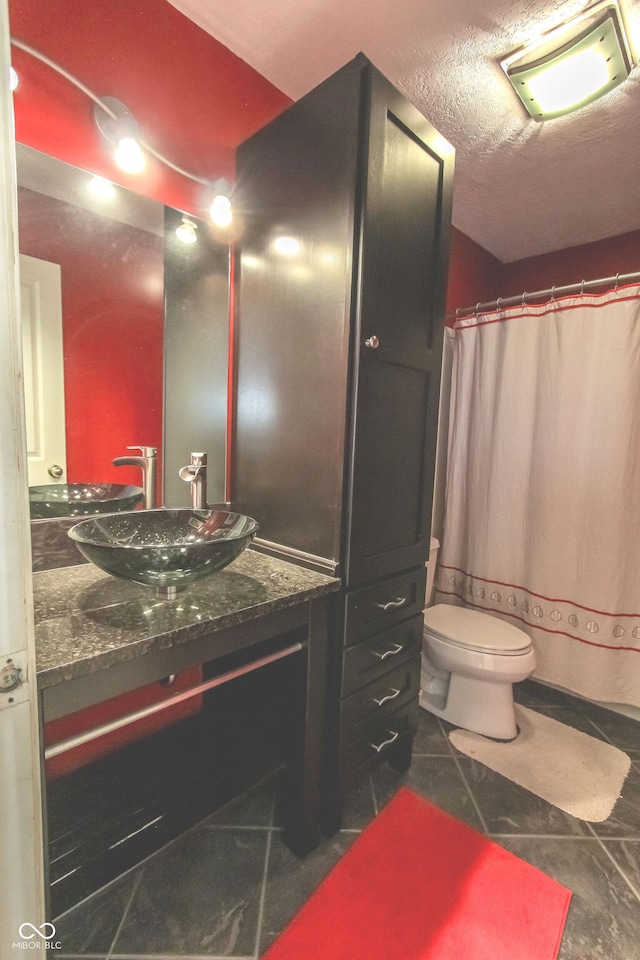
{"x": 372, "y": 342}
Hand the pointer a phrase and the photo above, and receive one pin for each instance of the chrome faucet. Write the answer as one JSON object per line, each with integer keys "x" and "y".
{"x": 147, "y": 463}
{"x": 195, "y": 473}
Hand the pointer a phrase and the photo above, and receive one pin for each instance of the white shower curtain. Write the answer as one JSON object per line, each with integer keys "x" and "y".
{"x": 542, "y": 517}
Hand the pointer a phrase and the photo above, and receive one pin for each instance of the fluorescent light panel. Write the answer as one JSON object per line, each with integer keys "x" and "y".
{"x": 554, "y": 80}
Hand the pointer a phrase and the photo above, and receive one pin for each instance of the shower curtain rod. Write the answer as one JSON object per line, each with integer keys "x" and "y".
{"x": 551, "y": 294}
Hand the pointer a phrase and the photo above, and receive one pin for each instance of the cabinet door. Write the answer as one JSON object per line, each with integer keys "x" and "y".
{"x": 397, "y": 345}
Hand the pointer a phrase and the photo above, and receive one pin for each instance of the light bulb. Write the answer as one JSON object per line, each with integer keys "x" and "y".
{"x": 220, "y": 211}
{"x": 570, "y": 81}
{"x": 186, "y": 231}
{"x": 129, "y": 156}
{"x": 13, "y": 79}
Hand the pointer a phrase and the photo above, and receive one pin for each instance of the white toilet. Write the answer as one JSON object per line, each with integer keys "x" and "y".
{"x": 470, "y": 661}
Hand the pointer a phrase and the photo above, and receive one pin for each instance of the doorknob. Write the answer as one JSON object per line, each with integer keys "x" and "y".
{"x": 55, "y": 471}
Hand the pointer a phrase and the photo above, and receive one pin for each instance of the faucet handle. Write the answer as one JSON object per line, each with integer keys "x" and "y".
{"x": 145, "y": 451}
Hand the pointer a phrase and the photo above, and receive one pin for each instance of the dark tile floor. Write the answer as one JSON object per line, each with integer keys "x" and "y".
{"x": 229, "y": 886}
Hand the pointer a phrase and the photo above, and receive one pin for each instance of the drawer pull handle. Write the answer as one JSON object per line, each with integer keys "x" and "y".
{"x": 400, "y": 602}
{"x": 386, "y": 743}
{"x": 389, "y": 696}
{"x": 397, "y": 648}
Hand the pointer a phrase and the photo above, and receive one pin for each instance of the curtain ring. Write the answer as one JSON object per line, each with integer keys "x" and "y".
{"x": 615, "y": 289}
{"x": 475, "y": 312}
{"x": 553, "y": 292}
{"x": 498, "y": 302}
{"x": 582, "y": 288}
{"x": 523, "y": 299}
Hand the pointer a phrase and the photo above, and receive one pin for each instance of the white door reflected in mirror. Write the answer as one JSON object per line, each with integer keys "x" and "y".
{"x": 41, "y": 313}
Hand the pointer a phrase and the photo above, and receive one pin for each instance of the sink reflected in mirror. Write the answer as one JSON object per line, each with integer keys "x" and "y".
{"x": 166, "y": 549}
{"x": 81, "y": 499}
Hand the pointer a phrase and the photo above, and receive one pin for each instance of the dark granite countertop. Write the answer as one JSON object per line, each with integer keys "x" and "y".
{"x": 87, "y": 621}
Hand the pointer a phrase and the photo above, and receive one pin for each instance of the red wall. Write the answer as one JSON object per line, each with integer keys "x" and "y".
{"x": 475, "y": 275}
{"x": 590, "y": 261}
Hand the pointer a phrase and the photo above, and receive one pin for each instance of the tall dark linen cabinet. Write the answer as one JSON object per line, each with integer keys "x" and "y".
{"x": 346, "y": 201}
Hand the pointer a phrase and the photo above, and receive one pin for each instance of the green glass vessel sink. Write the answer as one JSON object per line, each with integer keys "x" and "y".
{"x": 166, "y": 549}
{"x": 80, "y": 499}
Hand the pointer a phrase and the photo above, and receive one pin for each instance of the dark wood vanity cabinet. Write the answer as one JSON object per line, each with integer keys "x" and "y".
{"x": 344, "y": 203}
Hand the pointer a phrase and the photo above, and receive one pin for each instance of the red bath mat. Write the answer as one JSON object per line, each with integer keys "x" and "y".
{"x": 419, "y": 885}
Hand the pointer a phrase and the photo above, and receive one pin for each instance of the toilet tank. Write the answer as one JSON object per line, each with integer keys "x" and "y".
{"x": 431, "y": 571}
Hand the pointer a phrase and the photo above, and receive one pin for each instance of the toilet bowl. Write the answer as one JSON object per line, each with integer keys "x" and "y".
{"x": 470, "y": 660}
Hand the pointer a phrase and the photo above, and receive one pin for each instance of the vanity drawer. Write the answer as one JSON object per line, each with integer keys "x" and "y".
{"x": 377, "y": 607}
{"x": 374, "y": 657}
{"x": 379, "y": 699}
{"x": 376, "y": 741}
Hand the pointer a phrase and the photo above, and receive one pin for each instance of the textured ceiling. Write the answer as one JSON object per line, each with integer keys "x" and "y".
{"x": 521, "y": 187}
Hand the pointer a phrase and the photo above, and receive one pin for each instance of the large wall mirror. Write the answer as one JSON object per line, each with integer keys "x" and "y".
{"x": 126, "y": 333}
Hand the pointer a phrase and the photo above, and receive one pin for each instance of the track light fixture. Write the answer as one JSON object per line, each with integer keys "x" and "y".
{"x": 118, "y": 125}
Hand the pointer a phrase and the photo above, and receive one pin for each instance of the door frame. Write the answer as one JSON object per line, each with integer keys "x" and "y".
{"x": 43, "y": 368}
{"x": 22, "y": 898}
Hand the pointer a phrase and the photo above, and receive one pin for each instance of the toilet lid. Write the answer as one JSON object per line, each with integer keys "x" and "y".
{"x": 469, "y": 628}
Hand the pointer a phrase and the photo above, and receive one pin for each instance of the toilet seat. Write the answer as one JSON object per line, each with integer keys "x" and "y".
{"x": 472, "y": 630}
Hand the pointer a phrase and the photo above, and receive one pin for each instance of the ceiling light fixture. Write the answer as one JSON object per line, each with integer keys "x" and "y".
{"x": 572, "y": 65}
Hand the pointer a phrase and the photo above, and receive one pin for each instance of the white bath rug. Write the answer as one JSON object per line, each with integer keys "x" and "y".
{"x": 573, "y": 771}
